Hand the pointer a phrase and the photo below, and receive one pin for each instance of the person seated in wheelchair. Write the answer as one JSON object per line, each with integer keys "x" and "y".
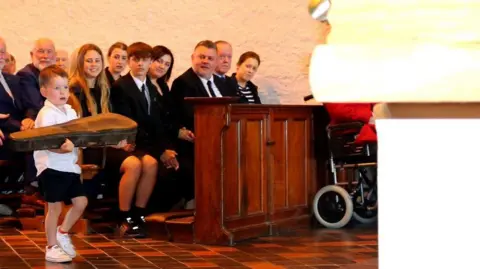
{"x": 350, "y": 112}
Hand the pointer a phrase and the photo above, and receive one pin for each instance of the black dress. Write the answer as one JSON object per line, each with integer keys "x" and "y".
{"x": 109, "y": 76}
{"x": 114, "y": 157}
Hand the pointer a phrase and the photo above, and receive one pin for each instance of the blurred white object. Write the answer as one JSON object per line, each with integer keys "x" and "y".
{"x": 399, "y": 51}
{"x": 400, "y": 73}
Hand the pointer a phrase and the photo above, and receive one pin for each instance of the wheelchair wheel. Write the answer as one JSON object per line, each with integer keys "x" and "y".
{"x": 366, "y": 212}
{"x": 333, "y": 207}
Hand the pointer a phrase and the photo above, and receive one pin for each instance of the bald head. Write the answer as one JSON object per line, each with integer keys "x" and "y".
{"x": 43, "y": 53}
{"x": 3, "y": 53}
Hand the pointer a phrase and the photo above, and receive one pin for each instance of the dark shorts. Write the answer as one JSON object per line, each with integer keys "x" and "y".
{"x": 58, "y": 186}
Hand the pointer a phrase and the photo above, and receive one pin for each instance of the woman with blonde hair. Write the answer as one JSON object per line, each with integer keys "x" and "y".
{"x": 90, "y": 95}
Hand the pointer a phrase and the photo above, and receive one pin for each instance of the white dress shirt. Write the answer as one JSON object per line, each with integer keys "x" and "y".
{"x": 139, "y": 85}
{"x": 65, "y": 162}
{"x": 216, "y": 91}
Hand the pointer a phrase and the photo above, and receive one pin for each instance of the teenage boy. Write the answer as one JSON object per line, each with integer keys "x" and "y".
{"x": 134, "y": 96}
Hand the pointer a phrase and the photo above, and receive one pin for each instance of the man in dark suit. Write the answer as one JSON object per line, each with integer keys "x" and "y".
{"x": 12, "y": 103}
{"x": 199, "y": 81}
{"x": 224, "y": 63}
{"x": 13, "y": 116}
{"x": 43, "y": 55}
{"x": 134, "y": 96}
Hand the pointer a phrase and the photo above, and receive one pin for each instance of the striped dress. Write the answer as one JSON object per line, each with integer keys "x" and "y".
{"x": 247, "y": 93}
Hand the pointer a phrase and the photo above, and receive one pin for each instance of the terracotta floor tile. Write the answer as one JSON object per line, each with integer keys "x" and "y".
{"x": 205, "y": 253}
{"x": 321, "y": 248}
{"x": 199, "y": 264}
{"x": 151, "y": 254}
{"x": 262, "y": 265}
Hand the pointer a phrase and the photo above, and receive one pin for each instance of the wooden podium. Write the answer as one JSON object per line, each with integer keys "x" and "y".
{"x": 254, "y": 170}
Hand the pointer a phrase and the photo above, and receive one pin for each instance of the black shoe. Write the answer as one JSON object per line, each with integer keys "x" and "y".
{"x": 128, "y": 228}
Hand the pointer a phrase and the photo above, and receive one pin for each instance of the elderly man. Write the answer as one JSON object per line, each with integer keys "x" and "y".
{"x": 12, "y": 115}
{"x": 62, "y": 59}
{"x": 10, "y": 64}
{"x": 43, "y": 55}
{"x": 224, "y": 58}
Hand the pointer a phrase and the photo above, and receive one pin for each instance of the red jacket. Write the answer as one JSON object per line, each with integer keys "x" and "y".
{"x": 342, "y": 113}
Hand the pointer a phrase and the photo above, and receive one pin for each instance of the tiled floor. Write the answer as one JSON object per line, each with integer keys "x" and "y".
{"x": 320, "y": 248}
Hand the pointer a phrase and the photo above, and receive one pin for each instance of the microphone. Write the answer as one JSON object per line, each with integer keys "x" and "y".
{"x": 318, "y": 9}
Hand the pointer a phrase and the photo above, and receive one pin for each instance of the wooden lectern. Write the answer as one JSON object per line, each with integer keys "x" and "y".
{"x": 254, "y": 170}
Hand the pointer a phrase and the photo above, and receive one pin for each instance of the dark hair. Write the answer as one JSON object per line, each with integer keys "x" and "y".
{"x": 49, "y": 73}
{"x": 207, "y": 44}
{"x": 116, "y": 45}
{"x": 139, "y": 50}
{"x": 157, "y": 53}
{"x": 247, "y": 55}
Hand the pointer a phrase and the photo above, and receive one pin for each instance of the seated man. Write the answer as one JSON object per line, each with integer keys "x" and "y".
{"x": 199, "y": 81}
{"x": 10, "y": 64}
{"x": 12, "y": 104}
{"x": 43, "y": 55}
{"x": 13, "y": 109}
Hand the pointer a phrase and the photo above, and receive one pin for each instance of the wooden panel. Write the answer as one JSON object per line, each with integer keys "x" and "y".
{"x": 292, "y": 173}
{"x": 231, "y": 181}
{"x": 297, "y": 163}
{"x": 245, "y": 184}
{"x": 278, "y": 169}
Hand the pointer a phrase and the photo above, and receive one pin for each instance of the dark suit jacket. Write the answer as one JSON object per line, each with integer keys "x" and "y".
{"x": 153, "y": 130}
{"x": 29, "y": 81}
{"x": 250, "y": 85}
{"x": 190, "y": 85}
{"x": 7, "y": 106}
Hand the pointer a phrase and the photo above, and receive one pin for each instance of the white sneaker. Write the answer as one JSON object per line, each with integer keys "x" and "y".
{"x": 56, "y": 254}
{"x": 64, "y": 241}
{"x": 190, "y": 204}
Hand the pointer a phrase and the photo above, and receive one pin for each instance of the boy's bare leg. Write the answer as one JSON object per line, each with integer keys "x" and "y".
{"x": 79, "y": 205}
{"x": 51, "y": 222}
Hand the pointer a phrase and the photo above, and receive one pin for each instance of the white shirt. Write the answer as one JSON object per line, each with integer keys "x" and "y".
{"x": 214, "y": 87}
{"x": 139, "y": 85}
{"x": 64, "y": 162}
{"x": 5, "y": 85}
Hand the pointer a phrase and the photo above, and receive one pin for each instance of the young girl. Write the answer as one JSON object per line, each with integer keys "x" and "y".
{"x": 117, "y": 61}
{"x": 91, "y": 96}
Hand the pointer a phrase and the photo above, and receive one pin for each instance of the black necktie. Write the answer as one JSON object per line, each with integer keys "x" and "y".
{"x": 210, "y": 89}
{"x": 144, "y": 92}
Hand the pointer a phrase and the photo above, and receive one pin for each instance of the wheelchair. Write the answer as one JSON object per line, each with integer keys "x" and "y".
{"x": 356, "y": 196}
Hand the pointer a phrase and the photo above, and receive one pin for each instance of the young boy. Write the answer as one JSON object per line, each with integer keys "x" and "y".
{"x": 57, "y": 170}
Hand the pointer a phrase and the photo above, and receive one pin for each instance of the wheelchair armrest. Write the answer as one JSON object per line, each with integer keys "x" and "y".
{"x": 355, "y": 125}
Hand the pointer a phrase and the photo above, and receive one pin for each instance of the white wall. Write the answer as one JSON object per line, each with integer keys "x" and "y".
{"x": 280, "y": 31}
